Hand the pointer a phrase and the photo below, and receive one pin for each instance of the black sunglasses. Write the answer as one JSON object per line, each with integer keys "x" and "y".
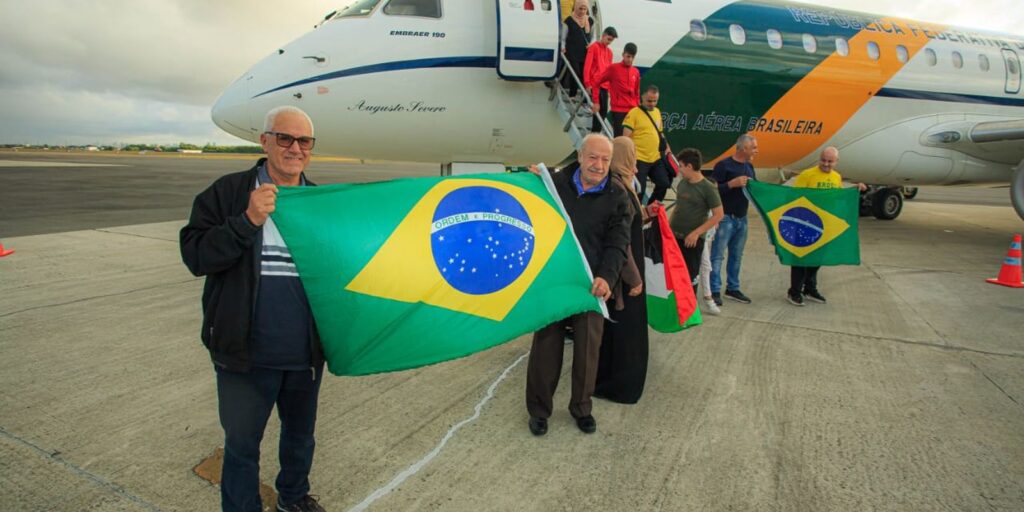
{"x": 285, "y": 140}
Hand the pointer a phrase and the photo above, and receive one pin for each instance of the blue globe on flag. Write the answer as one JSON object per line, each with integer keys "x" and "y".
{"x": 801, "y": 227}
{"x": 481, "y": 239}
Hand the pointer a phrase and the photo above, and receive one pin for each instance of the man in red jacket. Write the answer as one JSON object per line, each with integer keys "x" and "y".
{"x": 599, "y": 58}
{"x": 623, "y": 82}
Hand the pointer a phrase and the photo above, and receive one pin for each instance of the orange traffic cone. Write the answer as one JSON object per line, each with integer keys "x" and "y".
{"x": 1010, "y": 274}
{"x": 5, "y": 252}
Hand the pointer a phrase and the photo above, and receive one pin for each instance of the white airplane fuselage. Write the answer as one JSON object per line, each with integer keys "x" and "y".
{"x": 907, "y": 103}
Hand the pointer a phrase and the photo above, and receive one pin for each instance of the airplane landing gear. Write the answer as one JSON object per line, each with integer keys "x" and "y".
{"x": 884, "y": 203}
{"x": 908, "y": 192}
{"x": 1017, "y": 190}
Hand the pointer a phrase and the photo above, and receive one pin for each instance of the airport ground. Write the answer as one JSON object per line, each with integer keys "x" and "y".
{"x": 904, "y": 392}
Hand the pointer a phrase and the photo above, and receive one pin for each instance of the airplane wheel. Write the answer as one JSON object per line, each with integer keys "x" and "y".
{"x": 887, "y": 204}
{"x": 908, "y": 192}
{"x": 1017, "y": 190}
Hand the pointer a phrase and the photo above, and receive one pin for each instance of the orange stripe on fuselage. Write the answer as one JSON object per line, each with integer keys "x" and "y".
{"x": 823, "y": 101}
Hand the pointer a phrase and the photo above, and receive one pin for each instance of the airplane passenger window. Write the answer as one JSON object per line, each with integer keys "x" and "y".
{"x": 810, "y": 43}
{"x": 698, "y": 30}
{"x": 983, "y": 62}
{"x": 931, "y": 57}
{"x": 737, "y": 34}
{"x": 357, "y": 8}
{"x": 422, "y": 8}
{"x": 958, "y": 60}
{"x": 901, "y": 53}
{"x": 842, "y": 47}
{"x": 774, "y": 38}
{"x": 873, "y": 52}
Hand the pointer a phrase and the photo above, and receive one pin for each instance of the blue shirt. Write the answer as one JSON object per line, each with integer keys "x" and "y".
{"x": 283, "y": 323}
{"x": 579, "y": 183}
{"x": 733, "y": 201}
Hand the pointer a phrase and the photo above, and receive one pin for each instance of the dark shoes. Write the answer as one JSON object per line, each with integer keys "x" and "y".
{"x": 737, "y": 296}
{"x": 815, "y": 296}
{"x": 587, "y": 424}
{"x": 717, "y": 297}
{"x": 795, "y": 299}
{"x": 306, "y": 504}
{"x": 538, "y": 426}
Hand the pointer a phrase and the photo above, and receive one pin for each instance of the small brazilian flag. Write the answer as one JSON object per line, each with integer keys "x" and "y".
{"x": 810, "y": 227}
{"x": 411, "y": 272}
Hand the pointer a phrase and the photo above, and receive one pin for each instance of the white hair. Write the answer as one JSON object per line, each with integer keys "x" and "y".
{"x": 743, "y": 140}
{"x": 268, "y": 122}
{"x": 595, "y": 136}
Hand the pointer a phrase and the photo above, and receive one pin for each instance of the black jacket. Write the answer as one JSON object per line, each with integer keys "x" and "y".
{"x": 601, "y": 222}
{"x": 220, "y": 243}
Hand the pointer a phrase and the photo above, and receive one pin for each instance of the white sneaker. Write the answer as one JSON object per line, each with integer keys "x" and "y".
{"x": 710, "y": 307}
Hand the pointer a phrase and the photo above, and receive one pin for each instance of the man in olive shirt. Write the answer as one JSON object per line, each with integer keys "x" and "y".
{"x": 695, "y": 197}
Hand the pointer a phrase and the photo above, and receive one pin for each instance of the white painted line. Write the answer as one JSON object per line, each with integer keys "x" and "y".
{"x": 420, "y": 464}
{"x": 50, "y": 163}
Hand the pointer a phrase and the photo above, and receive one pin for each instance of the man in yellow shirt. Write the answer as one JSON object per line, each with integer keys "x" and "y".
{"x": 643, "y": 125}
{"x": 803, "y": 281}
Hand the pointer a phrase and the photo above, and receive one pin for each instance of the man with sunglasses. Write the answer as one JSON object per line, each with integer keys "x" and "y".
{"x": 257, "y": 323}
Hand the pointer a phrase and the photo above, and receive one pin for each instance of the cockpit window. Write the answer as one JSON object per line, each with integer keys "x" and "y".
{"x": 422, "y": 8}
{"x": 356, "y": 9}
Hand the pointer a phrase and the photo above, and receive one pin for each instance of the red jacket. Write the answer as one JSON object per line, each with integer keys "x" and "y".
{"x": 599, "y": 58}
{"x": 623, "y": 86}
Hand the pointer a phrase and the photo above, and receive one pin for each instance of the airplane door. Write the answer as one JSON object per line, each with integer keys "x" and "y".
{"x": 528, "y": 42}
{"x": 1012, "y": 71}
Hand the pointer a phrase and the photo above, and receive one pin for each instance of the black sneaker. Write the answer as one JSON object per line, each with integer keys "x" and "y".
{"x": 306, "y": 504}
{"x": 795, "y": 299}
{"x": 738, "y": 296}
{"x": 717, "y": 297}
{"x": 815, "y": 296}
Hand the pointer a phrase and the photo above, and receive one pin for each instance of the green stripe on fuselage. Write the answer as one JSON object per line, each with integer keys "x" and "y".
{"x": 711, "y": 89}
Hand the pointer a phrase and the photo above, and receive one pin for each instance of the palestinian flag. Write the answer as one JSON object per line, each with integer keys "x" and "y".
{"x": 671, "y": 305}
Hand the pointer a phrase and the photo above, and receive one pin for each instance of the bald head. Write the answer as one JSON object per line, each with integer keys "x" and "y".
{"x": 828, "y": 159}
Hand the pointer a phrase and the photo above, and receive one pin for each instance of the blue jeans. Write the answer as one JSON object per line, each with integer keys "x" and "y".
{"x": 245, "y": 401}
{"x": 731, "y": 235}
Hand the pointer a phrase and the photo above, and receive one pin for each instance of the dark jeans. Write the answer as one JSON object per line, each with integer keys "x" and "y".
{"x": 602, "y": 110}
{"x": 659, "y": 176}
{"x": 803, "y": 279}
{"x": 245, "y": 401}
{"x": 691, "y": 255}
{"x": 617, "y": 119}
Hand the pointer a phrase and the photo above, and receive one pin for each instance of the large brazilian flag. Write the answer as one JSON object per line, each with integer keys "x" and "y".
{"x": 810, "y": 227}
{"x": 411, "y": 272}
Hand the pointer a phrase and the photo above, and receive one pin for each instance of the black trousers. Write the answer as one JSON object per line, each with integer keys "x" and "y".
{"x": 602, "y": 110}
{"x": 545, "y": 364}
{"x": 803, "y": 279}
{"x": 658, "y": 175}
{"x": 617, "y": 119}
{"x": 691, "y": 255}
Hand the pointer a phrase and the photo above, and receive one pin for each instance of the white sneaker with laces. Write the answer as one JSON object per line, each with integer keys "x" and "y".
{"x": 710, "y": 307}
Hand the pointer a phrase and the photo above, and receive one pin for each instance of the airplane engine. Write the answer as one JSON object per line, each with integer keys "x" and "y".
{"x": 1017, "y": 190}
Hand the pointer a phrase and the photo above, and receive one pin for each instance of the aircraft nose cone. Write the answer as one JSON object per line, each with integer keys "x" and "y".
{"x": 231, "y": 111}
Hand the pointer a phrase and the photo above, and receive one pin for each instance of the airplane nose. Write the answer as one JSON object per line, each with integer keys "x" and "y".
{"x": 231, "y": 111}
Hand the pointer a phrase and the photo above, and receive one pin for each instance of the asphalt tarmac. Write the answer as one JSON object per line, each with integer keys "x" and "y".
{"x": 904, "y": 392}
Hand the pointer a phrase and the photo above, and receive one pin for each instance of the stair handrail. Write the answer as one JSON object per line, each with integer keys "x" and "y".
{"x": 605, "y": 129}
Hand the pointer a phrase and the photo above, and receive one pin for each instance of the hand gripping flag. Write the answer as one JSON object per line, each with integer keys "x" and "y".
{"x": 809, "y": 227}
{"x": 671, "y": 305}
{"x": 412, "y": 272}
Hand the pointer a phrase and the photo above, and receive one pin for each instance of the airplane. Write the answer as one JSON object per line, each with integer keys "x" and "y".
{"x": 471, "y": 84}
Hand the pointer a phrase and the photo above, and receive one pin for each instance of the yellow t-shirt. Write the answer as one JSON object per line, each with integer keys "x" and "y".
{"x": 567, "y": 7}
{"x": 645, "y": 135}
{"x": 815, "y": 178}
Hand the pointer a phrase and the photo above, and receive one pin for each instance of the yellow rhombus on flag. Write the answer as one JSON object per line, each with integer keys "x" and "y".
{"x": 832, "y": 227}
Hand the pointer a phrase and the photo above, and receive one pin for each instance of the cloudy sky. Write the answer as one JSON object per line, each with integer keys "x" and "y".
{"x": 109, "y": 71}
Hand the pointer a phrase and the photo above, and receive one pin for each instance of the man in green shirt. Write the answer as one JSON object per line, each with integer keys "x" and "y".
{"x": 695, "y": 197}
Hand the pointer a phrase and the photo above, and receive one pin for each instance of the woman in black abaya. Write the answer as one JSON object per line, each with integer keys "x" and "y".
{"x": 622, "y": 369}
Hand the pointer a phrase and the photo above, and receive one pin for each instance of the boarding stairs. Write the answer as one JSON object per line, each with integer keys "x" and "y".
{"x": 576, "y": 114}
